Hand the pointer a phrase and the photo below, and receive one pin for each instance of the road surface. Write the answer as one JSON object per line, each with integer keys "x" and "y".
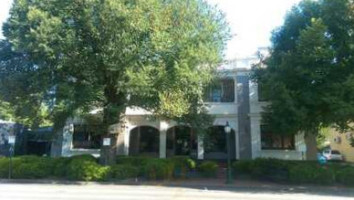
{"x": 35, "y": 191}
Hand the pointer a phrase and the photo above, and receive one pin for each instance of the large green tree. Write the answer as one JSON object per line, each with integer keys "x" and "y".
{"x": 309, "y": 78}
{"x": 73, "y": 56}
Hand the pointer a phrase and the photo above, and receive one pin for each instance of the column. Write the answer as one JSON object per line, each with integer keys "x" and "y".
{"x": 126, "y": 141}
{"x": 200, "y": 140}
{"x": 163, "y": 131}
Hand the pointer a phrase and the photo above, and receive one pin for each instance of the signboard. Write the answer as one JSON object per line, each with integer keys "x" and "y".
{"x": 12, "y": 139}
{"x": 106, "y": 141}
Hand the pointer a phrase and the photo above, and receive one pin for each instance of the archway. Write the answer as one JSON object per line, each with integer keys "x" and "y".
{"x": 215, "y": 146}
{"x": 181, "y": 141}
{"x": 144, "y": 140}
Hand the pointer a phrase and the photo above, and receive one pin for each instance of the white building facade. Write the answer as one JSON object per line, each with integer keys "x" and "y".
{"x": 235, "y": 100}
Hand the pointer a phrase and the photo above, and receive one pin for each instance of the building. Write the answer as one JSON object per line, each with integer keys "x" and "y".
{"x": 343, "y": 142}
{"x": 235, "y": 99}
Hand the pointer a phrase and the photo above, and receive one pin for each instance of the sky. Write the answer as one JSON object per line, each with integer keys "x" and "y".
{"x": 251, "y": 22}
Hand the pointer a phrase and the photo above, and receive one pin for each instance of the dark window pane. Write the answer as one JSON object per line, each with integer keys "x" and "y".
{"x": 270, "y": 140}
{"x": 220, "y": 91}
{"x": 86, "y": 137}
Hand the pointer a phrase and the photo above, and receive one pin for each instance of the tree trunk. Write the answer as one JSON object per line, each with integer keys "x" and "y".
{"x": 311, "y": 146}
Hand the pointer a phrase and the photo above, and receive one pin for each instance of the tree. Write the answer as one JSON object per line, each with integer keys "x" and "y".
{"x": 309, "y": 78}
{"x": 111, "y": 54}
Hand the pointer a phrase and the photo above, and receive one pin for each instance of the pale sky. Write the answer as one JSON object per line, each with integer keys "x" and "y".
{"x": 251, "y": 21}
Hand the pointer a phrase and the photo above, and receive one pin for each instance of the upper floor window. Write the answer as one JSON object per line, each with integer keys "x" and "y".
{"x": 86, "y": 137}
{"x": 220, "y": 91}
{"x": 270, "y": 140}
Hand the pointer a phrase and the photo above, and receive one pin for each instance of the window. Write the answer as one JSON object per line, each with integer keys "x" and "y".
{"x": 220, "y": 91}
{"x": 86, "y": 137}
{"x": 270, "y": 140}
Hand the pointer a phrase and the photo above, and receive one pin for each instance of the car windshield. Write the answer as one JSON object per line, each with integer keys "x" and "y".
{"x": 335, "y": 152}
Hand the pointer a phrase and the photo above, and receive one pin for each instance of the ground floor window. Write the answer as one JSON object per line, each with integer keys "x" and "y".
{"x": 144, "y": 140}
{"x": 181, "y": 141}
{"x": 87, "y": 137}
{"x": 271, "y": 140}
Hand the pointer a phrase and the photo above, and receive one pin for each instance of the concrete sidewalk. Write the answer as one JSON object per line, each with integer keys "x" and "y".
{"x": 208, "y": 184}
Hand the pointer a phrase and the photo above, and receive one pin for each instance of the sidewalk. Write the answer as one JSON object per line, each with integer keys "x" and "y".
{"x": 249, "y": 186}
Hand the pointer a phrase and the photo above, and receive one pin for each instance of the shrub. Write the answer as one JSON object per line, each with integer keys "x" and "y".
{"x": 182, "y": 165}
{"x": 4, "y": 167}
{"x": 156, "y": 169}
{"x": 60, "y": 167}
{"x": 86, "y": 170}
{"x": 28, "y": 167}
{"x": 311, "y": 173}
{"x": 123, "y": 171}
{"x": 133, "y": 160}
{"x": 345, "y": 176}
{"x": 242, "y": 167}
{"x": 270, "y": 169}
{"x": 303, "y": 174}
{"x": 208, "y": 168}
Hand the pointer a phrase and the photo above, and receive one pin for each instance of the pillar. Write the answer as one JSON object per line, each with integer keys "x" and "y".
{"x": 163, "y": 132}
{"x": 200, "y": 147}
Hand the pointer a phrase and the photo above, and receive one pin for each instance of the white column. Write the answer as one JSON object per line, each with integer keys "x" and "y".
{"x": 200, "y": 147}
{"x": 256, "y": 136}
{"x": 163, "y": 131}
{"x": 126, "y": 141}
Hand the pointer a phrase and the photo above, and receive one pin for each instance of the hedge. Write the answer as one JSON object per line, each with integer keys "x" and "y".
{"x": 208, "y": 168}
{"x": 295, "y": 171}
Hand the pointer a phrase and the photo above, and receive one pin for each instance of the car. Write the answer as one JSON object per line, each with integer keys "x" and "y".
{"x": 334, "y": 155}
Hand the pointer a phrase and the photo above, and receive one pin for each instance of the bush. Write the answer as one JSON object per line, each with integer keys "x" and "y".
{"x": 208, "y": 168}
{"x": 133, "y": 160}
{"x": 30, "y": 167}
{"x": 345, "y": 176}
{"x": 4, "y": 167}
{"x": 123, "y": 172}
{"x": 156, "y": 169}
{"x": 270, "y": 169}
{"x": 85, "y": 169}
{"x": 242, "y": 167}
{"x": 182, "y": 165}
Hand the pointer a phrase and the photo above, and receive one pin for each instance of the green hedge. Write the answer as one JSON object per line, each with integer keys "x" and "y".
{"x": 295, "y": 171}
{"x": 208, "y": 168}
{"x": 123, "y": 171}
{"x": 345, "y": 176}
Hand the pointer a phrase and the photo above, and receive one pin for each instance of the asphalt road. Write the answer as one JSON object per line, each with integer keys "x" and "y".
{"x": 28, "y": 191}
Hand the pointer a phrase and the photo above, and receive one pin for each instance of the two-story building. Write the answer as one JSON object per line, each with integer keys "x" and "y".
{"x": 235, "y": 99}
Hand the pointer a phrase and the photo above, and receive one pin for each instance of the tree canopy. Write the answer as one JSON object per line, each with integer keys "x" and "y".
{"x": 73, "y": 56}
{"x": 309, "y": 78}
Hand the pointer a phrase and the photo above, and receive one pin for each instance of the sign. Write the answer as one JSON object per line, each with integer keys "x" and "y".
{"x": 12, "y": 139}
{"x": 106, "y": 141}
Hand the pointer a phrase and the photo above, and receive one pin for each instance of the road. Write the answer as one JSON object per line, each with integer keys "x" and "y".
{"x": 27, "y": 191}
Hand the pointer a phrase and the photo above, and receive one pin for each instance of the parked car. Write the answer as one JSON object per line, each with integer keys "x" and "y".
{"x": 334, "y": 155}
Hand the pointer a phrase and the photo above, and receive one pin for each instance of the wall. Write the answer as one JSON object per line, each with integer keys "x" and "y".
{"x": 341, "y": 142}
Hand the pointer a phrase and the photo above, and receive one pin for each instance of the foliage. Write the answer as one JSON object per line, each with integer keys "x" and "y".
{"x": 322, "y": 137}
{"x": 75, "y": 56}
{"x": 345, "y": 176}
{"x": 123, "y": 171}
{"x": 309, "y": 76}
{"x": 311, "y": 173}
{"x": 86, "y": 170}
{"x": 270, "y": 169}
{"x": 157, "y": 169}
{"x": 208, "y": 168}
{"x": 242, "y": 167}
